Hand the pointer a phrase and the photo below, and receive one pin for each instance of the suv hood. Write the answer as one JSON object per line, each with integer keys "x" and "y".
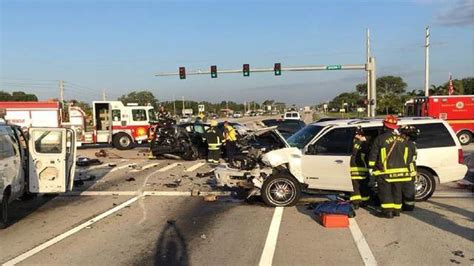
{"x": 282, "y": 156}
{"x": 261, "y": 131}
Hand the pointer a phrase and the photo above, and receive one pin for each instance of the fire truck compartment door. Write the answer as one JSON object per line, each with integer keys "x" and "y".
{"x": 51, "y": 160}
{"x": 103, "y": 136}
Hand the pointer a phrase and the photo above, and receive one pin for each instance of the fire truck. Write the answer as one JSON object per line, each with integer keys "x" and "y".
{"x": 112, "y": 121}
{"x": 457, "y": 110}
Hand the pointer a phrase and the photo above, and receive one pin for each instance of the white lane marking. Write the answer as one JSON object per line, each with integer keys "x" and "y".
{"x": 169, "y": 167}
{"x": 148, "y": 166}
{"x": 453, "y": 195}
{"x": 167, "y": 193}
{"x": 74, "y": 230}
{"x": 101, "y": 193}
{"x": 194, "y": 167}
{"x": 266, "y": 258}
{"x": 144, "y": 193}
{"x": 361, "y": 243}
{"x": 116, "y": 168}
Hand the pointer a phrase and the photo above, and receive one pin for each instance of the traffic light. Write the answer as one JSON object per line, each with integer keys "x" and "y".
{"x": 246, "y": 70}
{"x": 182, "y": 73}
{"x": 277, "y": 69}
{"x": 213, "y": 72}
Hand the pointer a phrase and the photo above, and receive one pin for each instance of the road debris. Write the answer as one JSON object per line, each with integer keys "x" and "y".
{"x": 210, "y": 198}
{"x": 454, "y": 261}
{"x": 130, "y": 179}
{"x": 112, "y": 165}
{"x": 203, "y": 236}
{"x": 85, "y": 161}
{"x": 458, "y": 253}
{"x": 101, "y": 153}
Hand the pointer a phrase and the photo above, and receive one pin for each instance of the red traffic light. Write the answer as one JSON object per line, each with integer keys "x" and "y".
{"x": 182, "y": 73}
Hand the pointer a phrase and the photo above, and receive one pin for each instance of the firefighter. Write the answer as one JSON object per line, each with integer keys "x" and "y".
{"x": 230, "y": 138}
{"x": 213, "y": 137}
{"x": 411, "y": 133}
{"x": 359, "y": 170}
{"x": 388, "y": 159}
{"x": 163, "y": 114}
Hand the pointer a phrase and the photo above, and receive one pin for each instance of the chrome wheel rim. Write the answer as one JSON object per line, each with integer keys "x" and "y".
{"x": 463, "y": 138}
{"x": 281, "y": 191}
{"x": 421, "y": 186}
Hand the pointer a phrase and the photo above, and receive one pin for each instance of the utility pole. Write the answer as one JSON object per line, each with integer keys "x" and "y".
{"x": 427, "y": 61}
{"x": 61, "y": 90}
{"x": 174, "y": 105}
{"x": 104, "y": 96}
{"x": 369, "y": 93}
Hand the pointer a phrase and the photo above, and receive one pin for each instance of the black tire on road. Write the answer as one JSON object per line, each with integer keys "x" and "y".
{"x": 425, "y": 184}
{"x": 122, "y": 141}
{"x": 191, "y": 154}
{"x": 465, "y": 137}
{"x": 4, "y": 211}
{"x": 280, "y": 190}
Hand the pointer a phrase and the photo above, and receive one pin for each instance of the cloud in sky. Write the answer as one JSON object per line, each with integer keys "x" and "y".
{"x": 460, "y": 14}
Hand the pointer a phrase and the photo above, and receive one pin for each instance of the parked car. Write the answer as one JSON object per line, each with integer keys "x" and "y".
{"x": 44, "y": 163}
{"x": 292, "y": 115}
{"x": 237, "y": 115}
{"x": 185, "y": 119}
{"x": 286, "y": 127}
{"x": 317, "y": 158}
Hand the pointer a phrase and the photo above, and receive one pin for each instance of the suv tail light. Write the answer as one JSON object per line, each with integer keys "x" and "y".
{"x": 460, "y": 156}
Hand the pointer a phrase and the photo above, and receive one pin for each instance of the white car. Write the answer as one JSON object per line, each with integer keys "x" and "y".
{"x": 292, "y": 115}
{"x": 237, "y": 115}
{"x": 317, "y": 158}
{"x": 43, "y": 164}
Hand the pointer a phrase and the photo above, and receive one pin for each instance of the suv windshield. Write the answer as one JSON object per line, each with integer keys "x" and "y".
{"x": 304, "y": 136}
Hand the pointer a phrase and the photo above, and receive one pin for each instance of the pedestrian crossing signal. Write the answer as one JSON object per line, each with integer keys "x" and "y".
{"x": 246, "y": 70}
{"x": 182, "y": 73}
{"x": 277, "y": 69}
{"x": 213, "y": 72}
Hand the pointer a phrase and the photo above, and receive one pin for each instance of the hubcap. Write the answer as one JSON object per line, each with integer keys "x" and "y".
{"x": 421, "y": 185}
{"x": 463, "y": 138}
{"x": 281, "y": 191}
{"x": 124, "y": 141}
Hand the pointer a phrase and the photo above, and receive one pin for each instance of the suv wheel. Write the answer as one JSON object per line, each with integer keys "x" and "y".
{"x": 465, "y": 137}
{"x": 425, "y": 185}
{"x": 281, "y": 191}
{"x": 122, "y": 141}
{"x": 4, "y": 211}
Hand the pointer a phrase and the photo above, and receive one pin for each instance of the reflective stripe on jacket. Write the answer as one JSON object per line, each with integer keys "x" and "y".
{"x": 358, "y": 162}
{"x": 394, "y": 167}
{"x": 230, "y": 134}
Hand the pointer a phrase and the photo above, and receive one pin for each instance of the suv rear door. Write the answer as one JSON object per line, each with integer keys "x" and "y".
{"x": 325, "y": 161}
{"x": 51, "y": 160}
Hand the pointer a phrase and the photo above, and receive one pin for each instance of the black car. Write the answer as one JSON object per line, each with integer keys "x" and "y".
{"x": 286, "y": 127}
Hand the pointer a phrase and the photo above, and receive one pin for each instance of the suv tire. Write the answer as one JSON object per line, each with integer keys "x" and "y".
{"x": 280, "y": 190}
{"x": 465, "y": 137}
{"x": 425, "y": 184}
{"x": 122, "y": 141}
{"x": 4, "y": 210}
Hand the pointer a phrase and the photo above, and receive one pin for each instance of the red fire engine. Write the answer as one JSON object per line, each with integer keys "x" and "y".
{"x": 112, "y": 121}
{"x": 457, "y": 110}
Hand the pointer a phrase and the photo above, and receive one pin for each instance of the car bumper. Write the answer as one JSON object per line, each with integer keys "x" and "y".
{"x": 451, "y": 173}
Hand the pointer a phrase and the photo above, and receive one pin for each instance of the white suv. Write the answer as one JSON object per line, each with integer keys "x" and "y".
{"x": 317, "y": 158}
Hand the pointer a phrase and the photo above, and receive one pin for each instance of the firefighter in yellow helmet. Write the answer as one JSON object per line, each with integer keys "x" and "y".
{"x": 230, "y": 137}
{"x": 389, "y": 161}
{"x": 214, "y": 142}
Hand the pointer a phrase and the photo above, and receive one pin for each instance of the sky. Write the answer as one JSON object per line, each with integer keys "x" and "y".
{"x": 119, "y": 46}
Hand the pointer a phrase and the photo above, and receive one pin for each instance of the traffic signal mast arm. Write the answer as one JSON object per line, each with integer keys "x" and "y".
{"x": 255, "y": 70}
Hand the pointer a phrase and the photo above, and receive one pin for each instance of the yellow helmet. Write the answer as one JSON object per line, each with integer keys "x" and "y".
{"x": 213, "y": 123}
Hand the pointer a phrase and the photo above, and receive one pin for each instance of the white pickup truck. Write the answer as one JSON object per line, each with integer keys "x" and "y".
{"x": 43, "y": 163}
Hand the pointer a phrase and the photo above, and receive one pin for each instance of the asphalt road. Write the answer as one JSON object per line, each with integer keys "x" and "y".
{"x": 152, "y": 212}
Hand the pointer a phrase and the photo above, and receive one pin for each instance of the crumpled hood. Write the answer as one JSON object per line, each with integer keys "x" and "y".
{"x": 281, "y": 156}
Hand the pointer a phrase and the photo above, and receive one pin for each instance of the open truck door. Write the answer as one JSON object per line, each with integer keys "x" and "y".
{"x": 51, "y": 160}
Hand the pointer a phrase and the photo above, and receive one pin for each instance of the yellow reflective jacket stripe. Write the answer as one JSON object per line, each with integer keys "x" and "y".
{"x": 371, "y": 163}
{"x": 383, "y": 157}
{"x": 360, "y": 169}
{"x": 403, "y": 179}
{"x": 405, "y": 154}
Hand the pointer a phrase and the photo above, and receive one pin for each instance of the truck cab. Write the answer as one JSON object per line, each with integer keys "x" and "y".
{"x": 43, "y": 163}
{"x": 119, "y": 124}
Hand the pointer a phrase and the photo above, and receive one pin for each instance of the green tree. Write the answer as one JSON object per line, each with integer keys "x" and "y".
{"x": 468, "y": 85}
{"x": 362, "y": 89}
{"x": 352, "y": 99}
{"x": 390, "y": 94}
{"x": 5, "y": 96}
{"x": 18, "y": 96}
{"x": 140, "y": 97}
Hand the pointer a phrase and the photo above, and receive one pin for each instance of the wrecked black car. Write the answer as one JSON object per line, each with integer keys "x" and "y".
{"x": 168, "y": 138}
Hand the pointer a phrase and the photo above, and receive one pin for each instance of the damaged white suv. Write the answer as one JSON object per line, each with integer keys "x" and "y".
{"x": 317, "y": 158}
